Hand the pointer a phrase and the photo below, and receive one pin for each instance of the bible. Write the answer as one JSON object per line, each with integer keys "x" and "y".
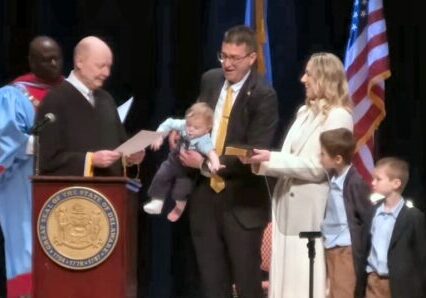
{"x": 243, "y": 151}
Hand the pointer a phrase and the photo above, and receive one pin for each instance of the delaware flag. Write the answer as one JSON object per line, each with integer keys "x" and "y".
{"x": 255, "y": 17}
{"x": 367, "y": 68}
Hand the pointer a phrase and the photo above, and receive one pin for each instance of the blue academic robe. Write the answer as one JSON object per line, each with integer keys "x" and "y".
{"x": 17, "y": 115}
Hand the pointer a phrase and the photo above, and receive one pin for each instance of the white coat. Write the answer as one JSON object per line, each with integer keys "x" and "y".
{"x": 299, "y": 201}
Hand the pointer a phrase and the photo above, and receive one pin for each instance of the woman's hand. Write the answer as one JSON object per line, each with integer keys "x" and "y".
{"x": 258, "y": 156}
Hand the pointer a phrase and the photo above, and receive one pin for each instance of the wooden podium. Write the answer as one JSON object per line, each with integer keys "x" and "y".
{"x": 85, "y": 237}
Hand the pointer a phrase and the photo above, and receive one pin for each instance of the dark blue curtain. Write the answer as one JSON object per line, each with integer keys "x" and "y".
{"x": 162, "y": 47}
{"x": 2, "y": 39}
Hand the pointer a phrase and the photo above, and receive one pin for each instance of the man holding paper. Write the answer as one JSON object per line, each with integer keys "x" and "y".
{"x": 88, "y": 129}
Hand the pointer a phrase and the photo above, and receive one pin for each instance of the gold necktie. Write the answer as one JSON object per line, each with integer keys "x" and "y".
{"x": 217, "y": 182}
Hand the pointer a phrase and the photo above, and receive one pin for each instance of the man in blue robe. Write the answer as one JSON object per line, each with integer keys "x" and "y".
{"x": 18, "y": 102}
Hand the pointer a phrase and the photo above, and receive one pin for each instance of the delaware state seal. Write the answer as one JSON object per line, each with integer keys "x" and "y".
{"x": 78, "y": 228}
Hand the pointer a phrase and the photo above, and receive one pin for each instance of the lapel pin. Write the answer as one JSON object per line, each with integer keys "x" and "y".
{"x": 409, "y": 203}
{"x": 249, "y": 93}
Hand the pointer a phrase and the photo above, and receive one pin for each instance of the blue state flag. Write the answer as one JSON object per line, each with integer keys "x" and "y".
{"x": 256, "y": 18}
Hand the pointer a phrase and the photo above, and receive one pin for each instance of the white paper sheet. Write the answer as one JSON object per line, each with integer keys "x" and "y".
{"x": 138, "y": 142}
{"x": 124, "y": 108}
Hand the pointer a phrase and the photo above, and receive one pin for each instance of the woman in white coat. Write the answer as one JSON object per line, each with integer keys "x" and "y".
{"x": 300, "y": 194}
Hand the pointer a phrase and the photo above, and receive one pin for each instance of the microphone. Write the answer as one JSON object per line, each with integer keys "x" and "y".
{"x": 48, "y": 118}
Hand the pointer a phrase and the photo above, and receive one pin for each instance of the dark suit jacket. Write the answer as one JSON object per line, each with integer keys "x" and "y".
{"x": 406, "y": 255}
{"x": 356, "y": 194}
{"x": 79, "y": 128}
{"x": 253, "y": 121}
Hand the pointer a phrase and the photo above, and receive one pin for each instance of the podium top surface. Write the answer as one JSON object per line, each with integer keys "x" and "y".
{"x": 80, "y": 179}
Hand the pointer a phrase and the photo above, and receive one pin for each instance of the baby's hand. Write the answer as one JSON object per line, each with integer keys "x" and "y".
{"x": 157, "y": 144}
{"x": 214, "y": 166}
{"x": 174, "y": 138}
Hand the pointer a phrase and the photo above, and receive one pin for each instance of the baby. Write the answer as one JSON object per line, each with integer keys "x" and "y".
{"x": 173, "y": 177}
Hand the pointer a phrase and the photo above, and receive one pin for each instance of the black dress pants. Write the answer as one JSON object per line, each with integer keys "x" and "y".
{"x": 227, "y": 253}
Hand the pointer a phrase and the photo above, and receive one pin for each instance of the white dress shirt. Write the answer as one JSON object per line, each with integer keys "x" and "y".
{"x": 86, "y": 92}
{"x": 221, "y": 101}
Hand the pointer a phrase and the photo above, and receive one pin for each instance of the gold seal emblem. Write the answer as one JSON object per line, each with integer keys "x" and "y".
{"x": 78, "y": 228}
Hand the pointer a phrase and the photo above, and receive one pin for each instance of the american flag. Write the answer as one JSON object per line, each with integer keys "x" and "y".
{"x": 367, "y": 68}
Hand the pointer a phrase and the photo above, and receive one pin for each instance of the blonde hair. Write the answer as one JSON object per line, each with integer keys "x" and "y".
{"x": 329, "y": 75}
{"x": 395, "y": 168}
{"x": 200, "y": 110}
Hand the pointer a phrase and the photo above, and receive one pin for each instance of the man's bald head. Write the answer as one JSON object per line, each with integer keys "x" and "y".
{"x": 45, "y": 58}
{"x": 92, "y": 61}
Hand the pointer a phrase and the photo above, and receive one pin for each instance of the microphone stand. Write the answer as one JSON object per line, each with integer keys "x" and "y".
{"x": 36, "y": 153}
{"x": 35, "y": 131}
{"x": 311, "y": 254}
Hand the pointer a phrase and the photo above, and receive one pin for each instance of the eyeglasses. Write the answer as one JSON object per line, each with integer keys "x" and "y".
{"x": 232, "y": 59}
